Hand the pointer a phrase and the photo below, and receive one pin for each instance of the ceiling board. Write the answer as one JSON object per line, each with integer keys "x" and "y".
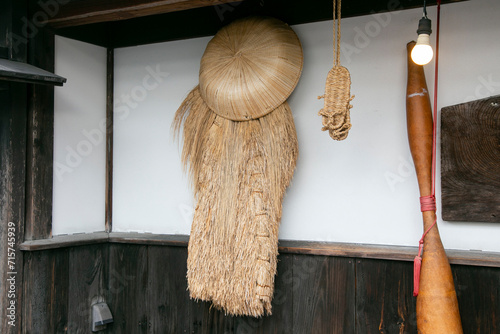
{"x": 206, "y": 21}
{"x": 76, "y": 13}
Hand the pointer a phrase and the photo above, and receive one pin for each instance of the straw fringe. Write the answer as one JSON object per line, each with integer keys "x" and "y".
{"x": 239, "y": 171}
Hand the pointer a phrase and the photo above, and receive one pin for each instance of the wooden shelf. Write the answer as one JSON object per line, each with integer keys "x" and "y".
{"x": 124, "y": 23}
{"x": 62, "y": 241}
{"x": 381, "y": 252}
{"x": 180, "y": 240}
{"x": 21, "y": 72}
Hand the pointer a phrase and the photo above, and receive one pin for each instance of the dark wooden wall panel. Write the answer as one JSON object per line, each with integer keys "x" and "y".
{"x": 324, "y": 294}
{"x": 88, "y": 278}
{"x": 214, "y": 321}
{"x": 384, "y": 297}
{"x": 46, "y": 287}
{"x": 169, "y": 307}
{"x": 145, "y": 288}
{"x": 281, "y": 320}
{"x": 36, "y": 294}
{"x": 59, "y": 292}
{"x": 128, "y": 295}
{"x": 478, "y": 292}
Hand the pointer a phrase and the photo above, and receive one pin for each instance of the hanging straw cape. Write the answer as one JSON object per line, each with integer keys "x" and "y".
{"x": 240, "y": 170}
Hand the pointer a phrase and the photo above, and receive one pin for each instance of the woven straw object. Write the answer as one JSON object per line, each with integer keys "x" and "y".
{"x": 250, "y": 67}
{"x": 336, "y": 111}
{"x": 239, "y": 171}
{"x": 336, "y": 118}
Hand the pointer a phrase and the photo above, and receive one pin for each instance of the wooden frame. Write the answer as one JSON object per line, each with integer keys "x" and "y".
{"x": 26, "y": 154}
{"x": 336, "y": 249}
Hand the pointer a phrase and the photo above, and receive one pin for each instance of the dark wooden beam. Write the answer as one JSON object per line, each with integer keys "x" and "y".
{"x": 109, "y": 139}
{"x": 41, "y": 49}
{"x": 385, "y": 252}
{"x": 178, "y": 240}
{"x": 12, "y": 205}
{"x": 337, "y": 249}
{"x": 77, "y": 13}
{"x": 13, "y": 119}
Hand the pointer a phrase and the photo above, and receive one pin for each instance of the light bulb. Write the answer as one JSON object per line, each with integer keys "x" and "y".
{"x": 422, "y": 51}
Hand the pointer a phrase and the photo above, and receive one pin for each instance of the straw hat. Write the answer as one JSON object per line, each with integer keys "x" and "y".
{"x": 250, "y": 67}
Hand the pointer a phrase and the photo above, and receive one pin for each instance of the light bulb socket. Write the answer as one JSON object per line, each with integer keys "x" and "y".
{"x": 424, "y": 26}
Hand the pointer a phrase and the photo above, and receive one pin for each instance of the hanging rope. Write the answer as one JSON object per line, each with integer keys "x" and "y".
{"x": 428, "y": 203}
{"x": 336, "y": 32}
{"x": 335, "y": 113}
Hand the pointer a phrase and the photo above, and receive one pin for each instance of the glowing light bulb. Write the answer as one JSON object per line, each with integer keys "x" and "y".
{"x": 422, "y": 51}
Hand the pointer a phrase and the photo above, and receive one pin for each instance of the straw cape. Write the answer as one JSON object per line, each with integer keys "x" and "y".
{"x": 240, "y": 169}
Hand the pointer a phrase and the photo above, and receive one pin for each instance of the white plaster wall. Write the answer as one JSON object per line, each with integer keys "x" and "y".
{"x": 364, "y": 190}
{"x": 150, "y": 191}
{"x": 79, "y": 138}
{"x": 361, "y": 190}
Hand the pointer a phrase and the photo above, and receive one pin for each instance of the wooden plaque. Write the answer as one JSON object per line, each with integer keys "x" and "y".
{"x": 470, "y": 161}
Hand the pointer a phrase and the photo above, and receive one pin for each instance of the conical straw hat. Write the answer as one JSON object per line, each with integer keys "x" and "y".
{"x": 250, "y": 67}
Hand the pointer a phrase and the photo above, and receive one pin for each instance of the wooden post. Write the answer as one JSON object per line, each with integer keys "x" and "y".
{"x": 13, "y": 119}
{"x": 109, "y": 139}
{"x": 40, "y": 146}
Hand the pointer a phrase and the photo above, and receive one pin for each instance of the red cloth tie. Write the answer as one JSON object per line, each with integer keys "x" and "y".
{"x": 428, "y": 203}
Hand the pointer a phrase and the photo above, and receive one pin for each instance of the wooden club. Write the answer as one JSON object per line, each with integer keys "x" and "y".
{"x": 437, "y": 305}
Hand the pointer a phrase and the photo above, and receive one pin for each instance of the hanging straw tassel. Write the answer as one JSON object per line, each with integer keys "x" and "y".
{"x": 336, "y": 110}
